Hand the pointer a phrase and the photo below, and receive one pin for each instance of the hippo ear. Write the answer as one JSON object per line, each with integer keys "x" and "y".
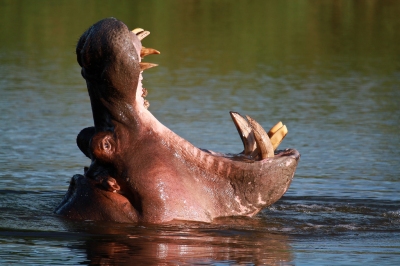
{"x": 103, "y": 146}
{"x": 84, "y": 139}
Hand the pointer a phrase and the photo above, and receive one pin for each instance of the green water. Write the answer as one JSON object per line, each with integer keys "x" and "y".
{"x": 330, "y": 70}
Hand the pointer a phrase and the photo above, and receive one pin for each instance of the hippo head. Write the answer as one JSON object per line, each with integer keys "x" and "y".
{"x": 143, "y": 172}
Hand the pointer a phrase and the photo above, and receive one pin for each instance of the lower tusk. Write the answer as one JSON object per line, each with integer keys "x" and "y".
{"x": 245, "y": 132}
{"x": 262, "y": 139}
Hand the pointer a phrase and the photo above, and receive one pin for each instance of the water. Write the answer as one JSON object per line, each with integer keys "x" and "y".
{"x": 330, "y": 70}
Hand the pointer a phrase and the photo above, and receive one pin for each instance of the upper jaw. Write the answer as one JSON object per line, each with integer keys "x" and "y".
{"x": 138, "y": 35}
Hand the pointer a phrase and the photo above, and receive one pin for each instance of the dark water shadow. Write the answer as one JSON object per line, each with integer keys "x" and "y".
{"x": 227, "y": 241}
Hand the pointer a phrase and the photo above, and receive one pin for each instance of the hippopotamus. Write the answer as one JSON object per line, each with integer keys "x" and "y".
{"x": 140, "y": 170}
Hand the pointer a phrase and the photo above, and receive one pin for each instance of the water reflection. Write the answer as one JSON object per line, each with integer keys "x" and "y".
{"x": 189, "y": 243}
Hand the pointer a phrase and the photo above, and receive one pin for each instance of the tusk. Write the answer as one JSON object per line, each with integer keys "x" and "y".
{"x": 147, "y": 51}
{"x": 144, "y": 66}
{"x": 262, "y": 139}
{"x": 137, "y": 30}
{"x": 143, "y": 35}
{"x": 274, "y": 129}
{"x": 245, "y": 132}
{"x": 278, "y": 136}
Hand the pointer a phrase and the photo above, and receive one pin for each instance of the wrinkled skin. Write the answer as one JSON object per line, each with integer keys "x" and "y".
{"x": 143, "y": 172}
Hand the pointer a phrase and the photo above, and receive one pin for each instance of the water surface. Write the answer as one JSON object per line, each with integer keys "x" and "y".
{"x": 330, "y": 70}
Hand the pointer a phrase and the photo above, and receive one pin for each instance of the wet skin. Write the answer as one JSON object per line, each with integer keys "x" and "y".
{"x": 143, "y": 172}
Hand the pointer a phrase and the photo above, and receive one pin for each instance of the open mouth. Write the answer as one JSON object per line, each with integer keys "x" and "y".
{"x": 257, "y": 143}
{"x": 142, "y": 171}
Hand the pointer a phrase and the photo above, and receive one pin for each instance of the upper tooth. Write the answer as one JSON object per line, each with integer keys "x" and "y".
{"x": 146, "y": 104}
{"x": 146, "y": 51}
{"x": 143, "y": 34}
{"x": 262, "y": 139}
{"x": 245, "y": 133}
{"x": 144, "y": 65}
{"x": 137, "y": 30}
{"x": 144, "y": 92}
